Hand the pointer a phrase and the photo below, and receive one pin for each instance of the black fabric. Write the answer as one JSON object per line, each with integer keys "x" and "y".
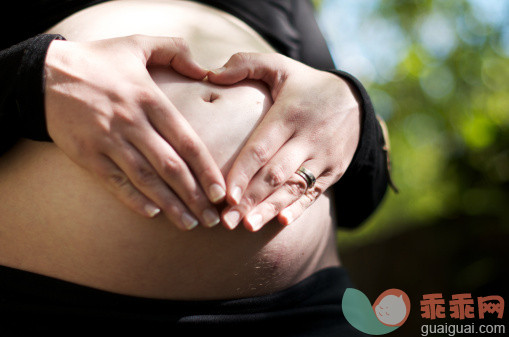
{"x": 369, "y": 163}
{"x": 288, "y": 25}
{"x": 33, "y": 303}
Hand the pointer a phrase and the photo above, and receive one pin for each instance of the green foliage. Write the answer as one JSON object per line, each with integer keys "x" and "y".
{"x": 317, "y": 3}
{"x": 449, "y": 122}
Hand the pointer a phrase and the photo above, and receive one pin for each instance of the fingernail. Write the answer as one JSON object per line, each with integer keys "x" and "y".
{"x": 189, "y": 221}
{"x": 152, "y": 210}
{"x": 231, "y": 219}
{"x": 255, "y": 220}
{"x": 211, "y": 217}
{"x": 236, "y": 194}
{"x": 287, "y": 215}
{"x": 218, "y": 71}
{"x": 216, "y": 193}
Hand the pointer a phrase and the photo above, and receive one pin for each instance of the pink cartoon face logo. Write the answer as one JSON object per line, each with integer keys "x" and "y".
{"x": 392, "y": 307}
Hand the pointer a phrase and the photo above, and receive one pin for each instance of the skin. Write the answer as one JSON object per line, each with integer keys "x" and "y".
{"x": 262, "y": 183}
{"x": 58, "y": 220}
{"x": 109, "y": 129}
{"x": 131, "y": 135}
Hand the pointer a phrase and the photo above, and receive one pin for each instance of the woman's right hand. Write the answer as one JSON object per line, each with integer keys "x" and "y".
{"x": 104, "y": 111}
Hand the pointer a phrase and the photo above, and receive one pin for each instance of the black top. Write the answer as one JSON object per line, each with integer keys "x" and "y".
{"x": 288, "y": 25}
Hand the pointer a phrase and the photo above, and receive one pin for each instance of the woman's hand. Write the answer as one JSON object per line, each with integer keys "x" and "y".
{"x": 314, "y": 122}
{"x": 105, "y": 112}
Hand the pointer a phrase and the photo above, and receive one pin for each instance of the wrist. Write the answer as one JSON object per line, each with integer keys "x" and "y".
{"x": 56, "y": 54}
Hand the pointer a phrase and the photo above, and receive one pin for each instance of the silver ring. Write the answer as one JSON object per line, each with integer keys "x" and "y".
{"x": 307, "y": 176}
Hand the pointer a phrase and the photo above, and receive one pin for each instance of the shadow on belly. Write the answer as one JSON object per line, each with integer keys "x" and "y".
{"x": 71, "y": 228}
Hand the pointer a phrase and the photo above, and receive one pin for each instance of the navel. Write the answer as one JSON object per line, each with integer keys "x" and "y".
{"x": 210, "y": 97}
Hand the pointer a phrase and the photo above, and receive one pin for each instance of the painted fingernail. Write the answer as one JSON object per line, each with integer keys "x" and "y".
{"x": 216, "y": 192}
{"x": 189, "y": 221}
{"x": 255, "y": 220}
{"x": 236, "y": 194}
{"x": 211, "y": 217}
{"x": 152, "y": 210}
{"x": 232, "y": 218}
{"x": 287, "y": 215}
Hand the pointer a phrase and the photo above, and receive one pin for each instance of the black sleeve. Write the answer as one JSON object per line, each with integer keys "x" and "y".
{"x": 362, "y": 187}
{"x": 22, "y": 91}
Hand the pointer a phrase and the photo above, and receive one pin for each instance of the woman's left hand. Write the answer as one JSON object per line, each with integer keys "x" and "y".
{"x": 314, "y": 123}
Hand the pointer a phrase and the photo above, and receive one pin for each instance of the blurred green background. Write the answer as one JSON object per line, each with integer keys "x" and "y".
{"x": 438, "y": 73}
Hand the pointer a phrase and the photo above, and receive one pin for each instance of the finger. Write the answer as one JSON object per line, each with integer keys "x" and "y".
{"x": 298, "y": 207}
{"x": 117, "y": 183}
{"x": 172, "y": 51}
{"x": 292, "y": 190}
{"x": 271, "y": 176}
{"x": 147, "y": 181}
{"x": 233, "y": 215}
{"x": 174, "y": 128}
{"x": 265, "y": 141}
{"x": 270, "y": 68}
{"x": 174, "y": 171}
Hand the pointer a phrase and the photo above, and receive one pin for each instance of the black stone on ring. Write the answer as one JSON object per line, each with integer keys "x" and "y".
{"x": 307, "y": 176}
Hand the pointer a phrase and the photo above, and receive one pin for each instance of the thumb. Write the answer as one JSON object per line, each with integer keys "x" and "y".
{"x": 269, "y": 68}
{"x": 164, "y": 51}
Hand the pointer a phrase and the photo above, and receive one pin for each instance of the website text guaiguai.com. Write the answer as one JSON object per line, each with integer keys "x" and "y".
{"x": 473, "y": 316}
{"x": 457, "y": 329}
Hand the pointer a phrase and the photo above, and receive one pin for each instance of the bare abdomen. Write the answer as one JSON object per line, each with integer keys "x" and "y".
{"x": 55, "y": 219}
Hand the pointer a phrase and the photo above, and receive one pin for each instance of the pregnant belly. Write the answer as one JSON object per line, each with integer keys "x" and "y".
{"x": 55, "y": 219}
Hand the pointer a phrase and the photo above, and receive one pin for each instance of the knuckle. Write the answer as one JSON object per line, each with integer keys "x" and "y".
{"x": 135, "y": 38}
{"x": 242, "y": 179}
{"x": 172, "y": 166}
{"x": 334, "y": 172}
{"x": 313, "y": 193}
{"x": 121, "y": 185}
{"x": 138, "y": 37}
{"x": 319, "y": 188}
{"x": 297, "y": 113}
{"x": 145, "y": 176}
{"x": 117, "y": 179}
{"x": 171, "y": 204}
{"x": 133, "y": 194}
{"x": 296, "y": 187}
{"x": 194, "y": 198}
{"x": 250, "y": 201}
{"x": 145, "y": 95}
{"x": 260, "y": 153}
{"x": 277, "y": 56}
{"x": 123, "y": 118}
{"x": 275, "y": 176}
{"x": 189, "y": 146}
{"x": 207, "y": 173}
{"x": 274, "y": 208}
{"x": 240, "y": 57}
{"x": 180, "y": 43}
{"x": 171, "y": 209}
